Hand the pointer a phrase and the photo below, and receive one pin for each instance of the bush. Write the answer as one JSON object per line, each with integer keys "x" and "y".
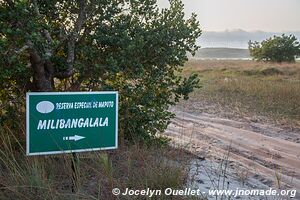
{"x": 129, "y": 46}
{"x": 275, "y": 49}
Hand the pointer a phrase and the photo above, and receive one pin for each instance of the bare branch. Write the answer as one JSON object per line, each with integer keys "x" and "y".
{"x": 24, "y": 48}
{"x": 82, "y": 16}
{"x": 47, "y": 36}
{"x": 27, "y": 46}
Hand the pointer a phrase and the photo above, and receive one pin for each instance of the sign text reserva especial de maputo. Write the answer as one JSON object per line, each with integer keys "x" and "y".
{"x": 65, "y": 122}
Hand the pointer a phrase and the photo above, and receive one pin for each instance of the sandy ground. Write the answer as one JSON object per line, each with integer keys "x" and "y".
{"x": 254, "y": 151}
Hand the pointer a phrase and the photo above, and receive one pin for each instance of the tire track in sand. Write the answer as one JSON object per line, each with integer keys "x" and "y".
{"x": 263, "y": 148}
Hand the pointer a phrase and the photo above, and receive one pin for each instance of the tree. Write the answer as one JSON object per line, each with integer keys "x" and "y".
{"x": 125, "y": 45}
{"x": 276, "y": 49}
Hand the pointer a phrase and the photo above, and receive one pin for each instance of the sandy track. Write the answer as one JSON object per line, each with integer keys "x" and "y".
{"x": 264, "y": 149}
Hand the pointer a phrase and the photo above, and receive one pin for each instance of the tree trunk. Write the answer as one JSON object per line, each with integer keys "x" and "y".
{"x": 43, "y": 72}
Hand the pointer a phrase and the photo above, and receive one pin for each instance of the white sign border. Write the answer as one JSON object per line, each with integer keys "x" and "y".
{"x": 69, "y": 151}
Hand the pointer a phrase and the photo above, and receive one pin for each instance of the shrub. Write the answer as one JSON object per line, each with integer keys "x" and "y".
{"x": 276, "y": 49}
{"x": 129, "y": 46}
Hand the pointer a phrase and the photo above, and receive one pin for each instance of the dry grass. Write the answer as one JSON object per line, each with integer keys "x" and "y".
{"x": 52, "y": 177}
{"x": 250, "y": 88}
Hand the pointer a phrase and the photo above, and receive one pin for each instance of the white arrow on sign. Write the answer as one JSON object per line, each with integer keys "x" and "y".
{"x": 75, "y": 138}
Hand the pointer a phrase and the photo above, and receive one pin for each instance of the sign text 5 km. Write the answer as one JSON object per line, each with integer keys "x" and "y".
{"x": 65, "y": 122}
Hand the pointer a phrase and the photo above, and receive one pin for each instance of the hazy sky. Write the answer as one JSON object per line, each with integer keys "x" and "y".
{"x": 249, "y": 15}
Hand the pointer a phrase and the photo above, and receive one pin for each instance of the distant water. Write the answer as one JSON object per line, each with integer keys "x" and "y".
{"x": 237, "y": 38}
{"x": 222, "y": 53}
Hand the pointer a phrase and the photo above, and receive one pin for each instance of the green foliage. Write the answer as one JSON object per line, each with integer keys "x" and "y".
{"x": 125, "y": 45}
{"x": 276, "y": 49}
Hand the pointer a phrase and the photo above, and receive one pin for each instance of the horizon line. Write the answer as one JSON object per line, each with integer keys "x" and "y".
{"x": 249, "y": 31}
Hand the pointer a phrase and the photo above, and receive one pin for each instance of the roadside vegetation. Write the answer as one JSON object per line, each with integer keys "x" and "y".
{"x": 97, "y": 173}
{"x": 132, "y": 47}
{"x": 258, "y": 90}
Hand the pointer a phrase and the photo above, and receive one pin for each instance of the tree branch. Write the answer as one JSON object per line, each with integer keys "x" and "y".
{"x": 24, "y": 48}
{"x": 45, "y": 31}
{"x": 10, "y": 3}
{"x": 82, "y": 16}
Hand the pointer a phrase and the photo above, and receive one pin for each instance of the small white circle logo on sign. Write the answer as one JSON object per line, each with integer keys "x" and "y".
{"x": 45, "y": 107}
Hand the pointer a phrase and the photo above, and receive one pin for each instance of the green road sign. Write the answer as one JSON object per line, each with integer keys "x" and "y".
{"x": 66, "y": 122}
